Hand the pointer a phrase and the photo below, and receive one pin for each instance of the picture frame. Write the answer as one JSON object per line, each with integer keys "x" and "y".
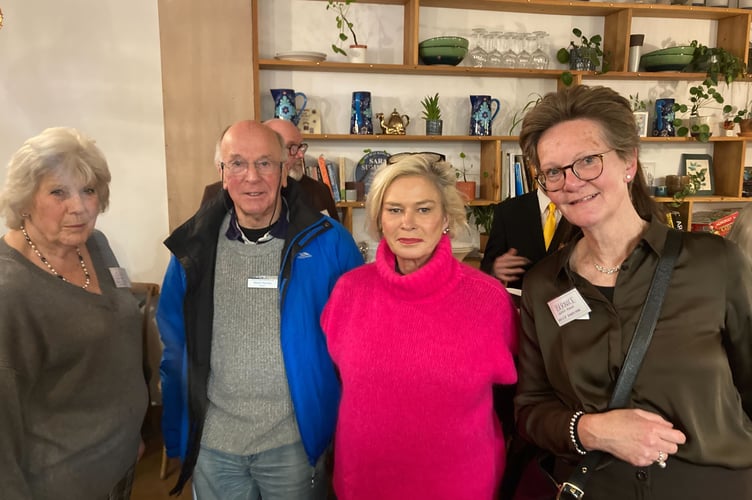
{"x": 693, "y": 164}
{"x": 641, "y": 121}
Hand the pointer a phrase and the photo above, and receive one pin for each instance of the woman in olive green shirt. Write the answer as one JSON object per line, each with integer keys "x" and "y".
{"x": 687, "y": 431}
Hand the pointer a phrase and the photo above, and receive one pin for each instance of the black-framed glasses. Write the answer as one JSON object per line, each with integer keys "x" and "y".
{"x": 587, "y": 168}
{"x": 431, "y": 156}
{"x": 297, "y": 148}
{"x": 238, "y": 167}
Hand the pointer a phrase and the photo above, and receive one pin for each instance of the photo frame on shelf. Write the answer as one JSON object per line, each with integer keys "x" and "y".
{"x": 641, "y": 120}
{"x": 695, "y": 164}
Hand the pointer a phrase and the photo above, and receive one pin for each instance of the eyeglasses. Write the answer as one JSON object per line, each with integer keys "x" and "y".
{"x": 236, "y": 168}
{"x": 432, "y": 157}
{"x": 297, "y": 148}
{"x": 587, "y": 168}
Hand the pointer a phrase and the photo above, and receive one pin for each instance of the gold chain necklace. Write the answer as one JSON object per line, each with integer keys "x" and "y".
{"x": 606, "y": 270}
{"x": 87, "y": 278}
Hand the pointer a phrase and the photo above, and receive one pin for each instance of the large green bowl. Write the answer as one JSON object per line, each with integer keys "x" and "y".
{"x": 442, "y": 55}
{"x": 444, "y": 41}
{"x": 665, "y": 62}
{"x": 678, "y": 50}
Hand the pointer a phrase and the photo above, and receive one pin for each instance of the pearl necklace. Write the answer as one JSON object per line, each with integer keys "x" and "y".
{"x": 606, "y": 270}
{"x": 87, "y": 279}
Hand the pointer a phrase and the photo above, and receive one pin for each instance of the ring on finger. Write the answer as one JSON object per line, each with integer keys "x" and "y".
{"x": 661, "y": 462}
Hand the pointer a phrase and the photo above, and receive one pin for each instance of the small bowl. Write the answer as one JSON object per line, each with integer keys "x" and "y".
{"x": 445, "y": 41}
{"x": 451, "y": 56}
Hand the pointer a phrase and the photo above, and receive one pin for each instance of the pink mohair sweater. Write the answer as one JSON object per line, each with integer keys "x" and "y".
{"x": 418, "y": 355}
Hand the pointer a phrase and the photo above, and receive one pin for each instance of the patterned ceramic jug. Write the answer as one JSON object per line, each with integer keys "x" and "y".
{"x": 284, "y": 104}
{"x": 481, "y": 114}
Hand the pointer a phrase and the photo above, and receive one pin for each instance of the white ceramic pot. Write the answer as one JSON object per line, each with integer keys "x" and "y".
{"x": 357, "y": 53}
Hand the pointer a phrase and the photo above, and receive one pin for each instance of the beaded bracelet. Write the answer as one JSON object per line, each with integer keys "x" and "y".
{"x": 573, "y": 432}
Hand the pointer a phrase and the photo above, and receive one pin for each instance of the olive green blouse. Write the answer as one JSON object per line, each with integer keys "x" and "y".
{"x": 697, "y": 372}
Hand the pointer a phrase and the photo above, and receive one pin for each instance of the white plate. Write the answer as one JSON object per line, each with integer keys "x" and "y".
{"x": 300, "y": 55}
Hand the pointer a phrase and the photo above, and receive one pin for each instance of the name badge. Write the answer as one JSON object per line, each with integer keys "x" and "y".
{"x": 120, "y": 277}
{"x": 568, "y": 307}
{"x": 262, "y": 282}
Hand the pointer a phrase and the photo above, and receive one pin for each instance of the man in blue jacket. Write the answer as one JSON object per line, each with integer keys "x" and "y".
{"x": 250, "y": 393}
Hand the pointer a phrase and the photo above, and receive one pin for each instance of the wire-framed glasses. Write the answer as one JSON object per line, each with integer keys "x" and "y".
{"x": 238, "y": 167}
{"x": 587, "y": 168}
{"x": 432, "y": 157}
{"x": 297, "y": 148}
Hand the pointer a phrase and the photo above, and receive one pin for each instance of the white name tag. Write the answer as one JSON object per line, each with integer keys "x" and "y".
{"x": 568, "y": 307}
{"x": 262, "y": 282}
{"x": 120, "y": 277}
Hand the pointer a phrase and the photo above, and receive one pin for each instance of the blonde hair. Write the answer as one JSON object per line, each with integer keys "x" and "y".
{"x": 440, "y": 174}
{"x": 60, "y": 149}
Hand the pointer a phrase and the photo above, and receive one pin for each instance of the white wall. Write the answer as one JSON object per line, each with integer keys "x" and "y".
{"x": 94, "y": 65}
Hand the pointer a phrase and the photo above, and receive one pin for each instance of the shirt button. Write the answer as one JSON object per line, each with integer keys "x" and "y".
{"x": 642, "y": 475}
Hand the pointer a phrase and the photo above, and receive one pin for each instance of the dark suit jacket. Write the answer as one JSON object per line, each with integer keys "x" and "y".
{"x": 316, "y": 194}
{"x": 517, "y": 224}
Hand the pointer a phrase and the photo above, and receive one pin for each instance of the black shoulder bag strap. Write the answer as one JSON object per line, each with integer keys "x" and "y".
{"x": 574, "y": 487}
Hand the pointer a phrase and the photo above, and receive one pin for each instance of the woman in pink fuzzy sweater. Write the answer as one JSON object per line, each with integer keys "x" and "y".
{"x": 419, "y": 340}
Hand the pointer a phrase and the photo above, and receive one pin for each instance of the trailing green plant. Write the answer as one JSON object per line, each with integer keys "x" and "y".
{"x": 715, "y": 62}
{"x": 702, "y": 96}
{"x": 592, "y": 56}
{"x": 341, "y": 10}
{"x": 483, "y": 217}
{"x": 519, "y": 115}
{"x": 737, "y": 116}
{"x": 696, "y": 180}
{"x": 431, "y": 109}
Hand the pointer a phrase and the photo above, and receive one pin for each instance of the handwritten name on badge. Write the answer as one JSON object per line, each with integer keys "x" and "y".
{"x": 262, "y": 282}
{"x": 568, "y": 307}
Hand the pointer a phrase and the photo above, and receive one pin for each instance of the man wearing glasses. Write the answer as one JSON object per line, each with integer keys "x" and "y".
{"x": 250, "y": 393}
{"x": 318, "y": 193}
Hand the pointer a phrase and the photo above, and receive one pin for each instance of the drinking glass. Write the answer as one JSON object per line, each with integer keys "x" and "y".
{"x": 478, "y": 55}
{"x": 540, "y": 56}
{"x": 508, "y": 55}
{"x": 523, "y": 56}
{"x": 494, "y": 54}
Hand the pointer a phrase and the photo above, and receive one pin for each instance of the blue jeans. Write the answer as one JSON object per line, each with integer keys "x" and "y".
{"x": 278, "y": 474}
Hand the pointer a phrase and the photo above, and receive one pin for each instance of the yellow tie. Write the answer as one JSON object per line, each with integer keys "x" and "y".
{"x": 549, "y": 228}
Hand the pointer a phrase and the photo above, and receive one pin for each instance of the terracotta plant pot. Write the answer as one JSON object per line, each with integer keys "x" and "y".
{"x": 483, "y": 242}
{"x": 745, "y": 126}
{"x": 467, "y": 189}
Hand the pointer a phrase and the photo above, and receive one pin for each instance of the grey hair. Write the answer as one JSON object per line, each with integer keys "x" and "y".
{"x": 61, "y": 149}
{"x": 440, "y": 174}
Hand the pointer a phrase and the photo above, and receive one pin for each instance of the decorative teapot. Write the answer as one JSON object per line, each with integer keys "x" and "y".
{"x": 396, "y": 124}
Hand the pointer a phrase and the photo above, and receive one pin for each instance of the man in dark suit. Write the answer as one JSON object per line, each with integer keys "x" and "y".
{"x": 317, "y": 193}
{"x": 516, "y": 241}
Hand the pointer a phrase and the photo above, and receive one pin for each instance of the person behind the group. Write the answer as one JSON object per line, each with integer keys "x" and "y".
{"x": 686, "y": 432}
{"x": 418, "y": 339}
{"x": 71, "y": 380}
{"x": 319, "y": 195}
{"x": 239, "y": 317}
{"x": 525, "y": 229}
{"x": 741, "y": 232}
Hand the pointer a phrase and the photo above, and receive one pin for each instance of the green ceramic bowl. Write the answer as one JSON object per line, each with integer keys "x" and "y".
{"x": 665, "y": 62}
{"x": 678, "y": 50}
{"x": 451, "y": 56}
{"x": 445, "y": 41}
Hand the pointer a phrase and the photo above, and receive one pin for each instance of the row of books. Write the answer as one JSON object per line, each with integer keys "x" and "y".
{"x": 325, "y": 171}
{"x": 520, "y": 176}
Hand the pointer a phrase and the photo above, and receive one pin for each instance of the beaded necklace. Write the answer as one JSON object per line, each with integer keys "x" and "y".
{"x": 87, "y": 278}
{"x": 606, "y": 270}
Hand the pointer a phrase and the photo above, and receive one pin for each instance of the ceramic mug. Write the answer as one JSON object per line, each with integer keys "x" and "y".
{"x": 284, "y": 104}
{"x": 481, "y": 114}
{"x": 361, "y": 114}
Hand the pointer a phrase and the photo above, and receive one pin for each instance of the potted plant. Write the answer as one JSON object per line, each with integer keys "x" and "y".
{"x": 702, "y": 96}
{"x": 716, "y": 62}
{"x": 519, "y": 115}
{"x": 483, "y": 219}
{"x": 583, "y": 57}
{"x": 432, "y": 114}
{"x": 742, "y": 116}
{"x": 344, "y": 25}
{"x": 695, "y": 181}
{"x": 465, "y": 187}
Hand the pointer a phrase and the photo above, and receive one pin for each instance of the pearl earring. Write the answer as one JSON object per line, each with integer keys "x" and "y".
{"x": 446, "y": 230}
{"x": 629, "y": 177}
